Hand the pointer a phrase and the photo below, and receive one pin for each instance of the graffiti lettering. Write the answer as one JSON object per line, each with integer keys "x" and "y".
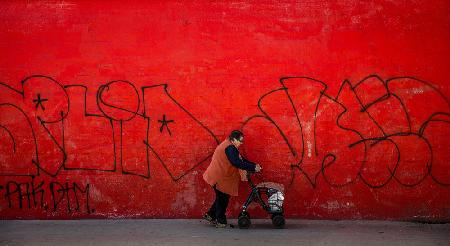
{"x": 370, "y": 131}
{"x": 122, "y": 116}
{"x": 341, "y": 138}
{"x": 33, "y": 194}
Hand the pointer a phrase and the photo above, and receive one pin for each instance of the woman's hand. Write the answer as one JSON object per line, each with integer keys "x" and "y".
{"x": 258, "y": 168}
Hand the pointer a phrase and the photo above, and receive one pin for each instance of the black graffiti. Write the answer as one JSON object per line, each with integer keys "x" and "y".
{"x": 10, "y": 137}
{"x": 35, "y": 159}
{"x": 39, "y": 101}
{"x": 165, "y": 123}
{"x": 62, "y": 192}
{"x": 114, "y": 114}
{"x": 329, "y": 159}
{"x": 48, "y": 196}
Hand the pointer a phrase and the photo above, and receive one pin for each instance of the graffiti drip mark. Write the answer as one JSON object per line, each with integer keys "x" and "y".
{"x": 39, "y": 101}
{"x": 372, "y": 95}
{"x": 165, "y": 123}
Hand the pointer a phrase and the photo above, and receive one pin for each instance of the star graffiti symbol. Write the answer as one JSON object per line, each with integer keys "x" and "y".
{"x": 39, "y": 101}
{"x": 165, "y": 122}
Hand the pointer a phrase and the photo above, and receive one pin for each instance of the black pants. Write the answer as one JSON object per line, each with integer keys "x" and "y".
{"x": 219, "y": 207}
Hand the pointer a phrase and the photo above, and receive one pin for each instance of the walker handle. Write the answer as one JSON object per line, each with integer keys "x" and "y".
{"x": 249, "y": 174}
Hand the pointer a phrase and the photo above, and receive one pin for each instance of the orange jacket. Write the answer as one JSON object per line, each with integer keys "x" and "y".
{"x": 221, "y": 172}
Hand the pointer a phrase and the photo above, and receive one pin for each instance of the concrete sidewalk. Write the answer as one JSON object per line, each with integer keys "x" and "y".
{"x": 197, "y": 232}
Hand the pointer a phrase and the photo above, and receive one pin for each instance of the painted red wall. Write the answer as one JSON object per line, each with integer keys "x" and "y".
{"x": 113, "y": 109}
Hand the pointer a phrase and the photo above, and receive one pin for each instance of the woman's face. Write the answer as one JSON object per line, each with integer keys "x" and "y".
{"x": 237, "y": 142}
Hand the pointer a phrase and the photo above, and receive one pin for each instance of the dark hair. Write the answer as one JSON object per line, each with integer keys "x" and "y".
{"x": 235, "y": 134}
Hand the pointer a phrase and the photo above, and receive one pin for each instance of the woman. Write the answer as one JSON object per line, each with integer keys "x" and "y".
{"x": 223, "y": 175}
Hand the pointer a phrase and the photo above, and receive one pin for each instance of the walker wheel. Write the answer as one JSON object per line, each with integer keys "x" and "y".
{"x": 244, "y": 221}
{"x": 278, "y": 221}
{"x": 244, "y": 213}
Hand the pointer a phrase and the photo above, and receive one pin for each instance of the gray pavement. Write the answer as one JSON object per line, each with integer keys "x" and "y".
{"x": 197, "y": 232}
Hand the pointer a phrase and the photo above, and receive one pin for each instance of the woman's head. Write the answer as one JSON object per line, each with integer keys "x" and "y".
{"x": 236, "y": 138}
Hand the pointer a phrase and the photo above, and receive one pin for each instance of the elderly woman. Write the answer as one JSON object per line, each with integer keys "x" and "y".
{"x": 223, "y": 175}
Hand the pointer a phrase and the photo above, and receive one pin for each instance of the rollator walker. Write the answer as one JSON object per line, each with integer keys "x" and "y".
{"x": 269, "y": 196}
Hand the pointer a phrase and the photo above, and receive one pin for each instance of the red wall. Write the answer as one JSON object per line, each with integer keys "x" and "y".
{"x": 112, "y": 109}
